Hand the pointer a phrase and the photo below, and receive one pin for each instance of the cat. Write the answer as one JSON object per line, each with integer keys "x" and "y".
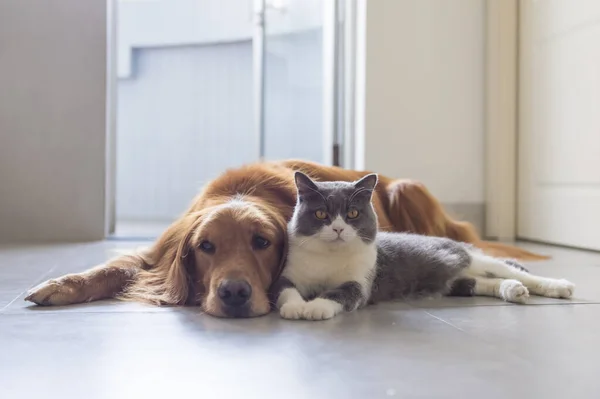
{"x": 338, "y": 261}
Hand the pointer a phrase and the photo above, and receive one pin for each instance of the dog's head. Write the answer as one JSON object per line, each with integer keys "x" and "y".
{"x": 238, "y": 249}
{"x": 223, "y": 258}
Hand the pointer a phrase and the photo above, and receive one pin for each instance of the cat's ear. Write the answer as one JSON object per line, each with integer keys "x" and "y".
{"x": 304, "y": 184}
{"x": 367, "y": 183}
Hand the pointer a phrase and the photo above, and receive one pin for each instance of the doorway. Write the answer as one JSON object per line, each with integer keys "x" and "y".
{"x": 190, "y": 95}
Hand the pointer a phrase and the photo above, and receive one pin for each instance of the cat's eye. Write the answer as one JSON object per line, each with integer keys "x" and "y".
{"x": 352, "y": 214}
{"x": 321, "y": 215}
{"x": 207, "y": 246}
{"x": 259, "y": 242}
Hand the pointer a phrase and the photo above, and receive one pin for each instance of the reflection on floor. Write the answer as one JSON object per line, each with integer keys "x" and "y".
{"x": 140, "y": 230}
{"x": 445, "y": 348}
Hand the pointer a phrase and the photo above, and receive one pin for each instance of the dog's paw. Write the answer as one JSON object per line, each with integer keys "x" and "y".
{"x": 292, "y": 310}
{"x": 513, "y": 291}
{"x": 65, "y": 290}
{"x": 321, "y": 309}
{"x": 558, "y": 289}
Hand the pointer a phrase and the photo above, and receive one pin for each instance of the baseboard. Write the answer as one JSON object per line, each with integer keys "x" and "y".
{"x": 473, "y": 213}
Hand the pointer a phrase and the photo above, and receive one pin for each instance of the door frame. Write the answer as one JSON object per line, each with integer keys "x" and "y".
{"x": 338, "y": 79}
{"x": 110, "y": 207}
{"x": 258, "y": 74}
{"x": 501, "y": 120}
{"x": 340, "y": 57}
{"x": 331, "y": 78}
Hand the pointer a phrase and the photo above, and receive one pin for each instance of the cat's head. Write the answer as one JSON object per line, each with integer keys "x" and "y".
{"x": 335, "y": 212}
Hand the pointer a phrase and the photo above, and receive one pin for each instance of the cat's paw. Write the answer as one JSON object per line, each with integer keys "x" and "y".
{"x": 558, "y": 289}
{"x": 513, "y": 291}
{"x": 321, "y": 309}
{"x": 292, "y": 310}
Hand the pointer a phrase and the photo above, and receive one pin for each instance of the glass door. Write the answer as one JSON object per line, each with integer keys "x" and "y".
{"x": 297, "y": 90}
{"x": 185, "y": 104}
{"x": 222, "y": 83}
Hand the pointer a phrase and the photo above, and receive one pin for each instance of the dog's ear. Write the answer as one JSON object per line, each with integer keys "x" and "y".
{"x": 184, "y": 270}
{"x": 171, "y": 277}
{"x": 282, "y": 229}
{"x": 283, "y": 251}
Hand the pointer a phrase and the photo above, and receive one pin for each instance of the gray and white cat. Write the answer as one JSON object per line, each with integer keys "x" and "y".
{"x": 337, "y": 261}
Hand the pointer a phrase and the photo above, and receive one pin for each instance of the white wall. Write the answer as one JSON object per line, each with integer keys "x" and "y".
{"x": 52, "y": 119}
{"x": 424, "y": 103}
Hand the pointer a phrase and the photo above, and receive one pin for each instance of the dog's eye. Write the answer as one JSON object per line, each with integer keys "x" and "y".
{"x": 207, "y": 246}
{"x": 352, "y": 214}
{"x": 259, "y": 242}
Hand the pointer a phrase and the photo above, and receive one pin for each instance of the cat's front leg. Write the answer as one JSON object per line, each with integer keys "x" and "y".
{"x": 287, "y": 299}
{"x": 347, "y": 297}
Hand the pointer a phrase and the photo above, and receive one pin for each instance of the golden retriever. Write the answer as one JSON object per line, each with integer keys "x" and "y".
{"x": 224, "y": 252}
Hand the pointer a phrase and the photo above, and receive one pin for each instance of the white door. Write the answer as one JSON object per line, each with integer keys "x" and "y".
{"x": 559, "y": 122}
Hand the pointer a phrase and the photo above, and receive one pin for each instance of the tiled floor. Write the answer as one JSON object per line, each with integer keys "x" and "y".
{"x": 126, "y": 229}
{"x": 445, "y": 348}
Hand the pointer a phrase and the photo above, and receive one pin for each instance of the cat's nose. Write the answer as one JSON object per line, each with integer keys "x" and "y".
{"x": 339, "y": 231}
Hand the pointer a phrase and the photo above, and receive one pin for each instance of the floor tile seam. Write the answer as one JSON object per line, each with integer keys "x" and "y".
{"x": 22, "y": 311}
{"x": 38, "y": 280}
{"x": 480, "y": 340}
{"x": 511, "y": 305}
{"x": 58, "y": 312}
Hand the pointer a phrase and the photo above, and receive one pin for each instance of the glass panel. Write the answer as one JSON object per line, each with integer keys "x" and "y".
{"x": 294, "y": 79}
{"x": 185, "y": 90}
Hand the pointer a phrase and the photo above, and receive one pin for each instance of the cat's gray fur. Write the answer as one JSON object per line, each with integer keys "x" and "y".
{"x": 410, "y": 265}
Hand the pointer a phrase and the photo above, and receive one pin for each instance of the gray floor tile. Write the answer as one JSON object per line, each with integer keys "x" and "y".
{"x": 444, "y": 348}
{"x": 390, "y": 350}
{"x": 105, "y": 306}
{"x": 579, "y": 267}
{"x": 23, "y": 267}
{"x": 561, "y": 342}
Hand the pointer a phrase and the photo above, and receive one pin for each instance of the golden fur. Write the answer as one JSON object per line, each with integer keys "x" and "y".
{"x": 257, "y": 199}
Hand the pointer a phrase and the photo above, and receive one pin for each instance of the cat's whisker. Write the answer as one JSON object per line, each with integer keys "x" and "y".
{"x": 305, "y": 241}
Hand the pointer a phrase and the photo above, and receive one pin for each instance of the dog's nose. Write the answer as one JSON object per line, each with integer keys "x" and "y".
{"x": 234, "y": 292}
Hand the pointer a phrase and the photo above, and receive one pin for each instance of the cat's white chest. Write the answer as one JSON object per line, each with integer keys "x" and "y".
{"x": 313, "y": 271}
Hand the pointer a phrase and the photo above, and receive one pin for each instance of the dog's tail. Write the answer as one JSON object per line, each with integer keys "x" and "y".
{"x": 413, "y": 208}
{"x": 501, "y": 250}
